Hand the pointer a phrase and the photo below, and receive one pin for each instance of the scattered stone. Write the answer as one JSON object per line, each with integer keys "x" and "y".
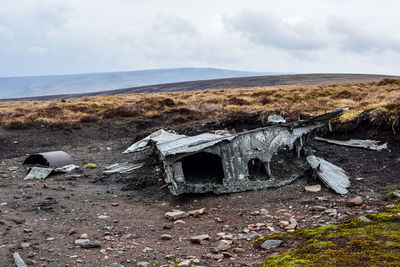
{"x": 176, "y": 215}
{"x": 223, "y": 245}
{"x": 27, "y": 230}
{"x": 396, "y": 193}
{"x": 283, "y": 224}
{"x": 218, "y": 219}
{"x": 143, "y": 264}
{"x": 357, "y": 201}
{"x": 179, "y": 222}
{"x": 71, "y": 232}
{"x": 227, "y": 236}
{"x": 216, "y": 257}
{"x": 3, "y": 203}
{"x": 255, "y": 213}
{"x": 166, "y": 237}
{"x": 248, "y": 236}
{"x": 227, "y": 254}
{"x": 196, "y": 213}
{"x": 185, "y": 263}
{"x": 263, "y": 211}
{"x": 115, "y": 265}
{"x": 114, "y": 204}
{"x": 103, "y": 217}
{"x": 50, "y": 238}
{"x": 238, "y": 250}
{"x": 90, "y": 244}
{"x": 292, "y": 225}
{"x": 313, "y": 188}
{"x": 318, "y": 208}
{"x": 25, "y": 245}
{"x": 80, "y": 241}
{"x": 272, "y": 243}
{"x": 147, "y": 249}
{"x": 199, "y": 238}
{"x": 169, "y": 256}
{"x": 364, "y": 219}
{"x": 330, "y": 212}
{"x": 84, "y": 236}
{"x": 168, "y": 226}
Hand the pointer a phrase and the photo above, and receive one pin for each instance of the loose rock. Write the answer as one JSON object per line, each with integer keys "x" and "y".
{"x": 166, "y": 237}
{"x": 223, "y": 245}
{"x": 215, "y": 256}
{"x": 90, "y": 244}
{"x": 147, "y": 249}
{"x": 396, "y": 193}
{"x": 25, "y": 245}
{"x": 357, "y": 201}
{"x": 199, "y": 238}
{"x": 238, "y": 250}
{"x": 84, "y": 236}
{"x": 292, "y": 225}
{"x": 364, "y": 219}
{"x": 185, "y": 263}
{"x": 318, "y": 208}
{"x": 176, "y": 215}
{"x": 313, "y": 188}
{"x": 248, "y": 236}
{"x": 272, "y": 243}
{"x": 196, "y": 213}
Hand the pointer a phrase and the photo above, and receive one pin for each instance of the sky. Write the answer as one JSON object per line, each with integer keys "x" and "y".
{"x": 46, "y": 37}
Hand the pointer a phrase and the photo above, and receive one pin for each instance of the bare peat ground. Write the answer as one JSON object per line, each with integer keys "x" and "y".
{"x": 42, "y": 219}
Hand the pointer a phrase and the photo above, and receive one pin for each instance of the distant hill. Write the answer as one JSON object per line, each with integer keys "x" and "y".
{"x": 254, "y": 81}
{"x": 12, "y": 87}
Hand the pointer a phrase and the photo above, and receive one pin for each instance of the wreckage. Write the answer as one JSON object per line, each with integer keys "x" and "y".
{"x": 266, "y": 157}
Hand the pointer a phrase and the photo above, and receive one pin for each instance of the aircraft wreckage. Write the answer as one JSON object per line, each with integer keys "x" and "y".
{"x": 266, "y": 157}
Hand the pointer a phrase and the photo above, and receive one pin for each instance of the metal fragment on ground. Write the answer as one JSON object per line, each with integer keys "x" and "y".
{"x": 122, "y": 168}
{"x": 261, "y": 158}
{"x": 276, "y": 119}
{"x": 368, "y": 144}
{"x": 19, "y": 262}
{"x": 38, "y": 173}
{"x": 160, "y": 136}
{"x": 67, "y": 168}
{"x": 51, "y": 159}
{"x": 333, "y": 176}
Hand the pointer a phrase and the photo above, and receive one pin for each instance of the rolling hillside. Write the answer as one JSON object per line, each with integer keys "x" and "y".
{"x": 12, "y": 87}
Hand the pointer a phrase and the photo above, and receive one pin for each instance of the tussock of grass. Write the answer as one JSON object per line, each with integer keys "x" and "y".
{"x": 380, "y": 99}
{"x": 352, "y": 243}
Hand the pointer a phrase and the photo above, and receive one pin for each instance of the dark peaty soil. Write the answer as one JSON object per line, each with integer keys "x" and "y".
{"x": 42, "y": 219}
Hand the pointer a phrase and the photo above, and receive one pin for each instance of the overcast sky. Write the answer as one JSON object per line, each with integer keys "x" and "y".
{"x": 40, "y": 37}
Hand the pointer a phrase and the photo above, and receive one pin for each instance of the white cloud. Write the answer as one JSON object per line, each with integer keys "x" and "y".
{"x": 268, "y": 30}
{"x": 55, "y": 36}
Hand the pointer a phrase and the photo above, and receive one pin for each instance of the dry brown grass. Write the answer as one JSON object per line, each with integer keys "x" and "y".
{"x": 379, "y": 98}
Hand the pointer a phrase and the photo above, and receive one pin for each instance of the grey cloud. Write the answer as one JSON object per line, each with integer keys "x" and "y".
{"x": 173, "y": 25}
{"x": 359, "y": 40}
{"x": 268, "y": 30}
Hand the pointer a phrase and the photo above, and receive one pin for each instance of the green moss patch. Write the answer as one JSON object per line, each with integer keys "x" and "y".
{"x": 374, "y": 241}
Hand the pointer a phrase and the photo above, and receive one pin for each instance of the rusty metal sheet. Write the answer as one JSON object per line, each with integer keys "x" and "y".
{"x": 52, "y": 159}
